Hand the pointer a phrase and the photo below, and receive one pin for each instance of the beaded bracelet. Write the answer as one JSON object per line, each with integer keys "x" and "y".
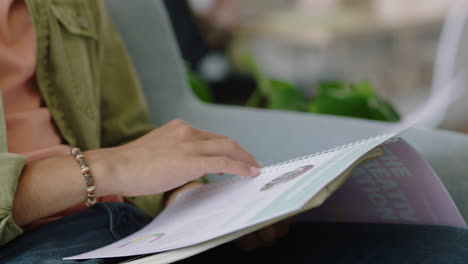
{"x": 90, "y": 187}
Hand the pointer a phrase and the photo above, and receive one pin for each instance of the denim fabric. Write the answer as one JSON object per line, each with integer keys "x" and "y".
{"x": 78, "y": 233}
{"x": 306, "y": 243}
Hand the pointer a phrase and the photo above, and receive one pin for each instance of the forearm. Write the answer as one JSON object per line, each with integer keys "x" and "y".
{"x": 162, "y": 160}
{"x": 52, "y": 185}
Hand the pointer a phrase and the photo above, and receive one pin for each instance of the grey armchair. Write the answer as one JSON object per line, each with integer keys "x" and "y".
{"x": 271, "y": 135}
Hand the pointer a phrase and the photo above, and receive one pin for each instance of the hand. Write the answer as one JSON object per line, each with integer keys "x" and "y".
{"x": 172, "y": 195}
{"x": 167, "y": 158}
{"x": 264, "y": 237}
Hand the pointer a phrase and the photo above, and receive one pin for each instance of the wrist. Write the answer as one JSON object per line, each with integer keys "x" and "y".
{"x": 103, "y": 172}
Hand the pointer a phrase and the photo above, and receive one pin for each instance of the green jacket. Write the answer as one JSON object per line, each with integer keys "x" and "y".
{"x": 89, "y": 85}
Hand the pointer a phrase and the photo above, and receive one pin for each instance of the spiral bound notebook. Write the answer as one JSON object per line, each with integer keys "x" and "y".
{"x": 210, "y": 215}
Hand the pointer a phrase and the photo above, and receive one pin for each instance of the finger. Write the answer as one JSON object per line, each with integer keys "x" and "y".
{"x": 282, "y": 229}
{"x": 268, "y": 234}
{"x": 248, "y": 243}
{"x": 228, "y": 148}
{"x": 180, "y": 129}
{"x": 172, "y": 195}
{"x": 214, "y": 165}
{"x": 208, "y": 135}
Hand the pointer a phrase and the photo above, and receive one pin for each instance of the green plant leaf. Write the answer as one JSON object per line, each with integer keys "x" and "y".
{"x": 357, "y": 100}
{"x": 335, "y": 98}
{"x": 255, "y": 99}
{"x": 364, "y": 88}
{"x": 262, "y": 80}
{"x": 279, "y": 95}
{"x": 285, "y": 96}
{"x": 383, "y": 111}
{"x": 199, "y": 87}
{"x": 352, "y": 106}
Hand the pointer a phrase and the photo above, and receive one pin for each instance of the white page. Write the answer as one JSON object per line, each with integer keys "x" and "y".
{"x": 221, "y": 208}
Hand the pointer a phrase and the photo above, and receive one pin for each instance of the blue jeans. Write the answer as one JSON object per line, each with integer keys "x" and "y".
{"x": 306, "y": 243}
{"x": 78, "y": 233}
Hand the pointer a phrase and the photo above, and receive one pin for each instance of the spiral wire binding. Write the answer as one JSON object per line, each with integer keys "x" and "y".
{"x": 392, "y": 140}
{"x": 283, "y": 164}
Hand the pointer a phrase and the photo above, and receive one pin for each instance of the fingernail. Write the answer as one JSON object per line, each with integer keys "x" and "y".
{"x": 255, "y": 171}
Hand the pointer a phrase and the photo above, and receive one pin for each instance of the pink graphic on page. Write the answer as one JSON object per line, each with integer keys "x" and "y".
{"x": 399, "y": 187}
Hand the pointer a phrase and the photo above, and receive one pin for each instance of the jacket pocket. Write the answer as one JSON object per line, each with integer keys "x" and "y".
{"x": 75, "y": 18}
{"x": 74, "y": 48}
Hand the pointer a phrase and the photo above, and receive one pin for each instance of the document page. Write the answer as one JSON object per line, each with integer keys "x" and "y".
{"x": 398, "y": 188}
{"x": 220, "y": 208}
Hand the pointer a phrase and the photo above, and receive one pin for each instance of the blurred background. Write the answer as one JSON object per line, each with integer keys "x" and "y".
{"x": 374, "y": 59}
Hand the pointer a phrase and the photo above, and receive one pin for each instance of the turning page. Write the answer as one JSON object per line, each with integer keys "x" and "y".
{"x": 397, "y": 188}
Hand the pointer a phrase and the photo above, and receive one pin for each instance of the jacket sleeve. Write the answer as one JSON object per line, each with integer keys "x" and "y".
{"x": 11, "y": 166}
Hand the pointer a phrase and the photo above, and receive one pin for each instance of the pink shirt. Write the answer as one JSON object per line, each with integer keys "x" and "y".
{"x": 30, "y": 128}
